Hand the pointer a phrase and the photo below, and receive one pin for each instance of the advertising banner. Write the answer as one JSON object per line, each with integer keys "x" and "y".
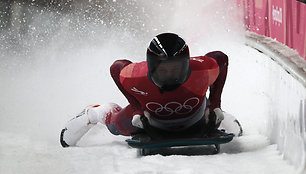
{"x": 283, "y": 20}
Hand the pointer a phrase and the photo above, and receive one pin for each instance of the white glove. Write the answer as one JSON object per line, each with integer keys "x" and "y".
{"x": 136, "y": 121}
{"x": 219, "y": 115}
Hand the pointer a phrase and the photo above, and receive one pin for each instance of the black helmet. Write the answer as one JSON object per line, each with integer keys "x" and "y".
{"x": 168, "y": 61}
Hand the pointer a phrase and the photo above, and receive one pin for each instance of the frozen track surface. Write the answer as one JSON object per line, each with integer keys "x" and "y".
{"x": 108, "y": 154}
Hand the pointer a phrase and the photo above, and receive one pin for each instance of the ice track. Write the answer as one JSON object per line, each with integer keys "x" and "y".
{"x": 46, "y": 82}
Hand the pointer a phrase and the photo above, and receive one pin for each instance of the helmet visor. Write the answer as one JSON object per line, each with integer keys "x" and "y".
{"x": 169, "y": 74}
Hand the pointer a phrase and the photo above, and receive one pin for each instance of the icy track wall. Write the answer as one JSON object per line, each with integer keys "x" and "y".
{"x": 285, "y": 22}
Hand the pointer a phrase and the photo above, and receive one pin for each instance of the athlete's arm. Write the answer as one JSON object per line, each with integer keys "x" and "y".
{"x": 217, "y": 87}
{"x": 115, "y": 70}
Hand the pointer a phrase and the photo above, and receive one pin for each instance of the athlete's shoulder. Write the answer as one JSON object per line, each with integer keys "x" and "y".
{"x": 134, "y": 70}
{"x": 134, "y": 79}
{"x": 203, "y": 63}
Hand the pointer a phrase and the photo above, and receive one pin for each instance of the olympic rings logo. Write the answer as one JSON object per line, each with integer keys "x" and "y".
{"x": 173, "y": 107}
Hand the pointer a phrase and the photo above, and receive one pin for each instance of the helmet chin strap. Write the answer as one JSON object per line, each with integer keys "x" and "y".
{"x": 170, "y": 87}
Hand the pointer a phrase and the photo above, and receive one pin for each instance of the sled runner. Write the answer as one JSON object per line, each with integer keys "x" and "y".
{"x": 147, "y": 146}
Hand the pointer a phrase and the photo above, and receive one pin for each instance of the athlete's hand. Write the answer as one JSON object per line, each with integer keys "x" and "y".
{"x": 136, "y": 121}
{"x": 215, "y": 116}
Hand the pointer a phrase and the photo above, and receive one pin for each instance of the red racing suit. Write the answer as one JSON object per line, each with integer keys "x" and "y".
{"x": 169, "y": 110}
